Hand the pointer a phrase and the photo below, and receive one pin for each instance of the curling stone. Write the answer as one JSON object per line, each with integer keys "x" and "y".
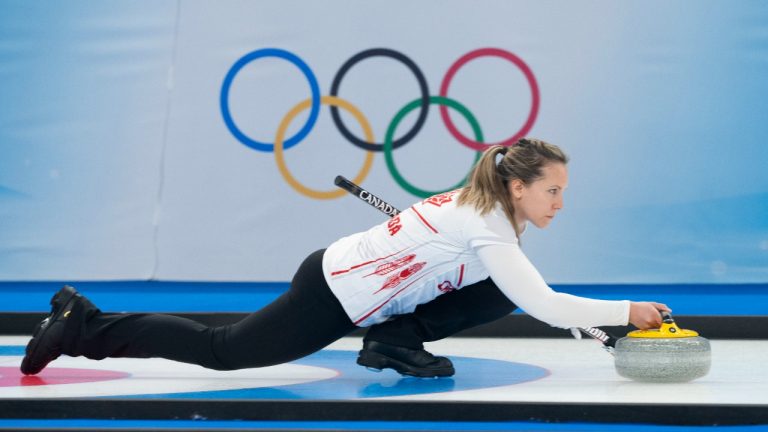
{"x": 666, "y": 354}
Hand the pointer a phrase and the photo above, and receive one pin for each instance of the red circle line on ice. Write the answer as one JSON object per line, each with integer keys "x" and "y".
{"x": 12, "y": 376}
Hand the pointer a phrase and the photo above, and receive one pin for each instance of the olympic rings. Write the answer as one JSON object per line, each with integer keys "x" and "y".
{"x": 422, "y": 87}
{"x": 388, "y": 147}
{"x": 335, "y": 102}
{"x": 244, "y": 60}
{"x": 528, "y": 75}
{"x": 368, "y": 144}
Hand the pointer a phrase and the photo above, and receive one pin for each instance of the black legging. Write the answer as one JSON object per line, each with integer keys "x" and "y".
{"x": 303, "y": 320}
{"x": 448, "y": 314}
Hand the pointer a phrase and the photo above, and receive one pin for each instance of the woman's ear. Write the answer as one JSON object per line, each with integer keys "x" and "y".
{"x": 516, "y": 188}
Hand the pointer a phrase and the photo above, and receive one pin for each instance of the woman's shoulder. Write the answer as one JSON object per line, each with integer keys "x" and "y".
{"x": 492, "y": 224}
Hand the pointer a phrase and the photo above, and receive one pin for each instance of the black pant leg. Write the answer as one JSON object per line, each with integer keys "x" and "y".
{"x": 444, "y": 316}
{"x": 303, "y": 320}
{"x": 145, "y": 336}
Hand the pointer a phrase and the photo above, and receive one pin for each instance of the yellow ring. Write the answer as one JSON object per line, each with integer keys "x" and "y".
{"x": 325, "y": 100}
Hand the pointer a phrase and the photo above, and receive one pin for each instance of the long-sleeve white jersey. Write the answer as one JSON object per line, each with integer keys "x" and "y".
{"x": 435, "y": 247}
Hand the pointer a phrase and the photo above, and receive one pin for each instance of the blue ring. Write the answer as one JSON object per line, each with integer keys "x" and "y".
{"x": 224, "y": 98}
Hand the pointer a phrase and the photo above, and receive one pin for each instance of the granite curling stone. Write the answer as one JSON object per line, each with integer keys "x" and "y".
{"x": 668, "y": 354}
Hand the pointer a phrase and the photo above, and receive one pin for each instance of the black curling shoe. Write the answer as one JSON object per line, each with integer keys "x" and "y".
{"x": 406, "y": 361}
{"x": 45, "y": 345}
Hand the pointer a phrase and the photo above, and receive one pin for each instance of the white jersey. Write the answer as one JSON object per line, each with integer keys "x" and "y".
{"x": 435, "y": 247}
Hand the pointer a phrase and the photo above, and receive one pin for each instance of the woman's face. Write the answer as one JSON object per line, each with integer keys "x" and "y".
{"x": 540, "y": 201}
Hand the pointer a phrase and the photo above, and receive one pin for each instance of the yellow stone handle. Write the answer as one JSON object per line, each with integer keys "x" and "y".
{"x": 668, "y": 329}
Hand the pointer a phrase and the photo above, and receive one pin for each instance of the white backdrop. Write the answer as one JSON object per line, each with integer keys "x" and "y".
{"x": 117, "y": 162}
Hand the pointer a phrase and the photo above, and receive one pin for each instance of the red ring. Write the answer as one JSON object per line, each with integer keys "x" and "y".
{"x": 474, "y": 145}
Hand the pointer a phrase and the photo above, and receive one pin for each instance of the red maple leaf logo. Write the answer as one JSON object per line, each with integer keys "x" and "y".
{"x": 439, "y": 200}
{"x": 446, "y": 286}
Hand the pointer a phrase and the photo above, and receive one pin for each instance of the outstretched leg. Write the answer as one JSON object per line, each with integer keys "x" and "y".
{"x": 305, "y": 319}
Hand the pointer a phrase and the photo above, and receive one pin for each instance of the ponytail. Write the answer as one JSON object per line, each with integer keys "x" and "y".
{"x": 488, "y": 180}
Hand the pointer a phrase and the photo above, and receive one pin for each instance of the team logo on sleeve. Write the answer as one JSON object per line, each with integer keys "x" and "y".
{"x": 439, "y": 200}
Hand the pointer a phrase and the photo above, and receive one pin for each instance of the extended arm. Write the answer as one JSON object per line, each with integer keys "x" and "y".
{"x": 519, "y": 280}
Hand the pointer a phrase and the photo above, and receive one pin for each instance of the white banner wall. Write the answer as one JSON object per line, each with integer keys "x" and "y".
{"x": 139, "y": 145}
{"x": 83, "y": 105}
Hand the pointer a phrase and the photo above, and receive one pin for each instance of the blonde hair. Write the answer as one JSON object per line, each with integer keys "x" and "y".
{"x": 488, "y": 180}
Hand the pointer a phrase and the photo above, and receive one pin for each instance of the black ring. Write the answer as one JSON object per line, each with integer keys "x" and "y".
{"x": 384, "y": 52}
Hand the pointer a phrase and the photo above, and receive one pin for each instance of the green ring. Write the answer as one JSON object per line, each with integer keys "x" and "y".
{"x": 439, "y": 100}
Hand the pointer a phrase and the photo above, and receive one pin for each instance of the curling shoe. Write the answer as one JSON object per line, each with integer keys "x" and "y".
{"x": 45, "y": 345}
{"x": 406, "y": 361}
